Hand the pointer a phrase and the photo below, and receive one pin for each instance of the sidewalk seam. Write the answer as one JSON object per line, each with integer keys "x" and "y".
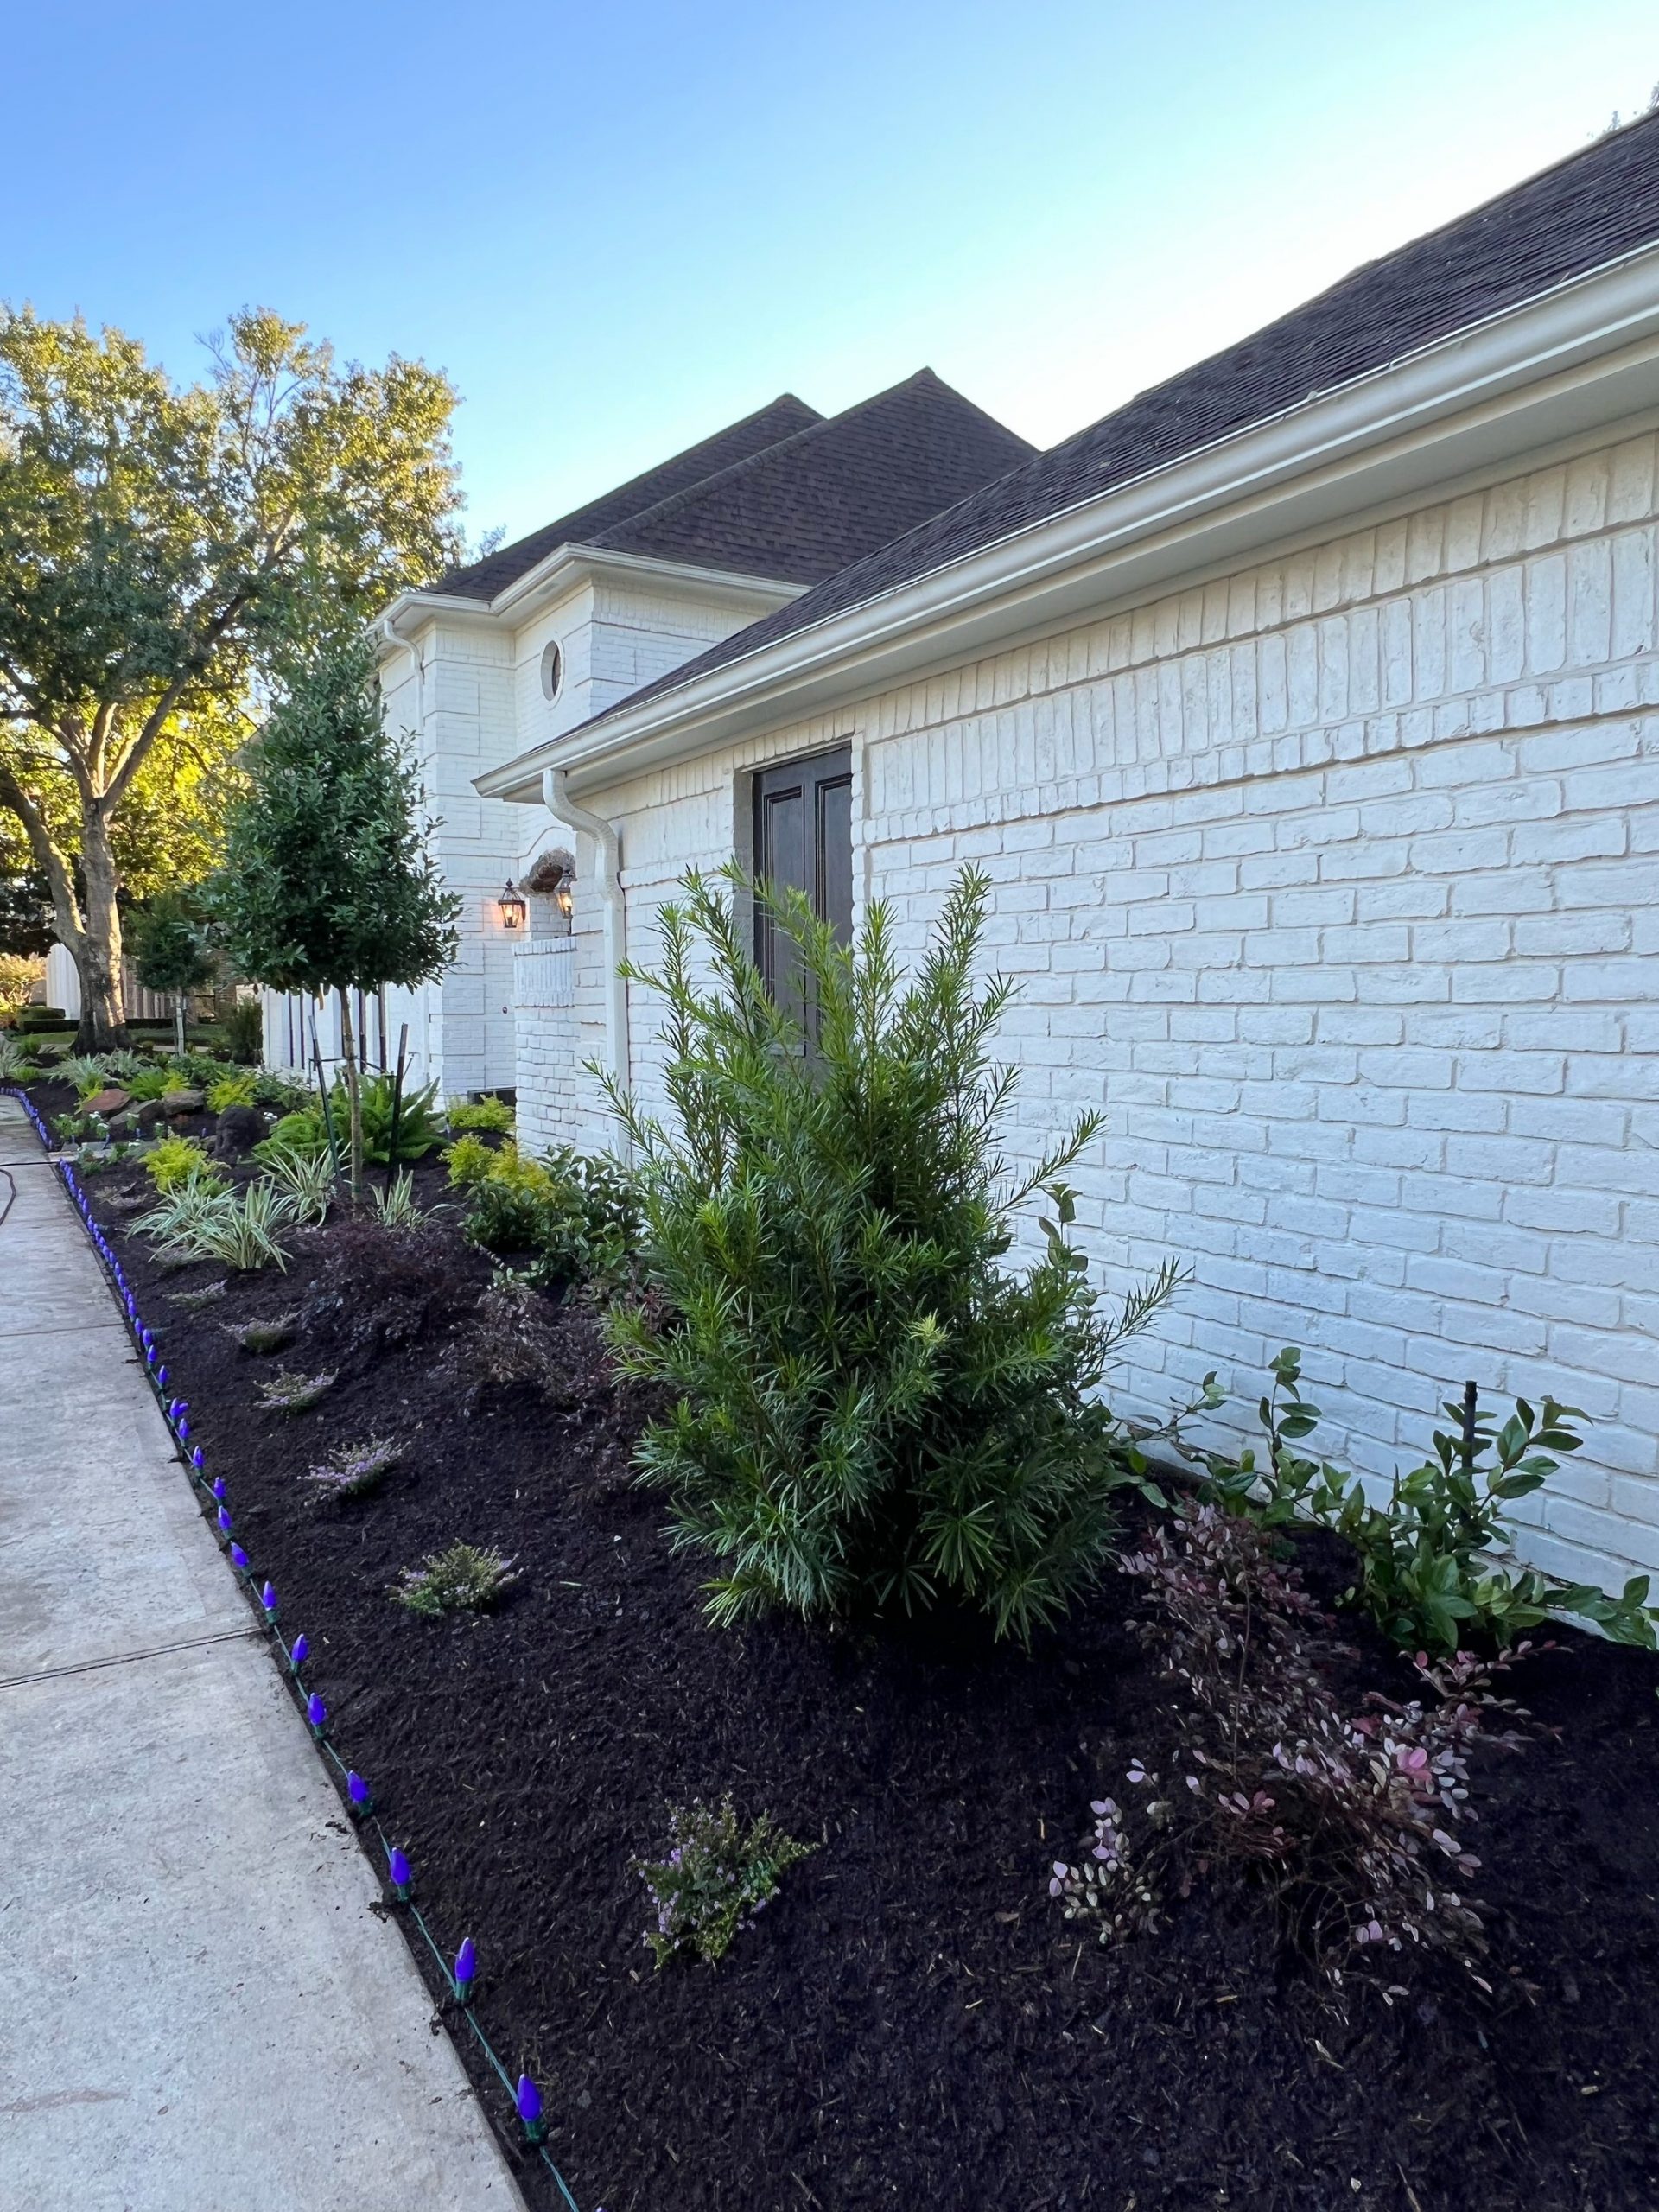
{"x": 127, "y": 1658}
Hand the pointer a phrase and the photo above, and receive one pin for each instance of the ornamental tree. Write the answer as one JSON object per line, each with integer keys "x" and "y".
{"x": 164, "y": 553}
{"x": 171, "y": 954}
{"x": 328, "y": 883}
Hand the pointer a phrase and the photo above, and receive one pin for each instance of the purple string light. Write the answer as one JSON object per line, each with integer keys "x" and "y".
{"x": 358, "y": 1795}
{"x": 316, "y": 1712}
{"x": 465, "y": 1969}
{"x": 398, "y": 1871}
{"x": 299, "y": 1652}
{"x": 528, "y": 2102}
{"x": 238, "y": 1558}
{"x": 268, "y": 1600}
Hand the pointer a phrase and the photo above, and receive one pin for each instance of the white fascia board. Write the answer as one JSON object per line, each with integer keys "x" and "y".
{"x": 1581, "y": 356}
{"x": 566, "y": 569}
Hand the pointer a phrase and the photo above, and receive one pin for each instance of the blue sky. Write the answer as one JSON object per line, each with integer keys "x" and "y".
{"x": 618, "y": 227}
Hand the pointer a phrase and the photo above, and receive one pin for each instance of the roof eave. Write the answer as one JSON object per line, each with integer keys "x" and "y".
{"x": 1586, "y": 351}
{"x": 565, "y": 569}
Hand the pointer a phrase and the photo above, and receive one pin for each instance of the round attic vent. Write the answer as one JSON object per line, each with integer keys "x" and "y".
{"x": 552, "y": 670}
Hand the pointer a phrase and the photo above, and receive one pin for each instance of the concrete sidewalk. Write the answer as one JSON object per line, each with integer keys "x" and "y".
{"x": 201, "y": 2013}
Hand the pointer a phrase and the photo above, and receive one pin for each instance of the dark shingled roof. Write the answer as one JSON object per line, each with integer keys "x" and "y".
{"x": 784, "y": 418}
{"x": 1567, "y": 220}
{"x": 835, "y": 490}
{"x": 786, "y": 492}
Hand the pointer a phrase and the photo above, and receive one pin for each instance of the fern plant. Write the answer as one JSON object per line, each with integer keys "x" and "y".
{"x": 871, "y": 1406}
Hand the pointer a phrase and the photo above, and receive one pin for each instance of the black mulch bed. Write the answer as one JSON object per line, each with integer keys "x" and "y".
{"x": 913, "y": 2023}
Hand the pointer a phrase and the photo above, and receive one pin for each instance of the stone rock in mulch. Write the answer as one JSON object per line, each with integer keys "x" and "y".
{"x": 146, "y": 1116}
{"x": 106, "y": 1102}
{"x": 177, "y": 1103}
{"x": 240, "y": 1128}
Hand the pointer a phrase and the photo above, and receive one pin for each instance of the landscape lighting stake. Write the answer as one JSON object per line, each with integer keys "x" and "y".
{"x": 528, "y": 2102}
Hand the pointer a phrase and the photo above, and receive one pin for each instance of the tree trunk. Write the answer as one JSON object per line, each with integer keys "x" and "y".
{"x": 353, "y": 1088}
{"x": 98, "y": 951}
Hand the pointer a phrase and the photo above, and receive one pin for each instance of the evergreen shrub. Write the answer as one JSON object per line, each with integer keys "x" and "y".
{"x": 872, "y": 1406}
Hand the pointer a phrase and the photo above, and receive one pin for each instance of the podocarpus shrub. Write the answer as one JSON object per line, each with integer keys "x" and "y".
{"x": 871, "y": 1406}
{"x": 1350, "y": 1820}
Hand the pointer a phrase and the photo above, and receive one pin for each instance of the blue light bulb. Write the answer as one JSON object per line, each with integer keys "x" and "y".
{"x": 315, "y": 1711}
{"x": 300, "y": 1652}
{"x": 466, "y": 1968}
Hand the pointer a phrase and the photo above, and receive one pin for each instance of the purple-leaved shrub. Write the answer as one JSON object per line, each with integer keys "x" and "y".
{"x": 1352, "y": 1820}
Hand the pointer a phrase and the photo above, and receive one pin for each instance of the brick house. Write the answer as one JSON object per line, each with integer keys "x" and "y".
{"x": 1306, "y": 712}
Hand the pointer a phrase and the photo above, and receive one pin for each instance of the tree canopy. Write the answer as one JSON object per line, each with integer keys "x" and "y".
{"x": 166, "y": 553}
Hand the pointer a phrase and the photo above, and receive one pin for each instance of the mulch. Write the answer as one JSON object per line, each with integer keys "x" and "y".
{"x": 913, "y": 2023}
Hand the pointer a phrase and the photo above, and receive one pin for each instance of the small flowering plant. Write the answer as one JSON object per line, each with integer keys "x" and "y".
{"x": 717, "y": 1878}
{"x": 464, "y": 1578}
{"x": 1350, "y": 1819}
{"x": 354, "y": 1469}
{"x": 266, "y": 1335}
{"x": 291, "y": 1393}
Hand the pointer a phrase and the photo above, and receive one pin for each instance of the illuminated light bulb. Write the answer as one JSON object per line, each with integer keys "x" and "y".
{"x": 299, "y": 1651}
{"x": 466, "y": 1968}
{"x": 315, "y": 1711}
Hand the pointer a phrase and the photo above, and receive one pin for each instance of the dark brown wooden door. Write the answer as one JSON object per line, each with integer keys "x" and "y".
{"x": 804, "y": 841}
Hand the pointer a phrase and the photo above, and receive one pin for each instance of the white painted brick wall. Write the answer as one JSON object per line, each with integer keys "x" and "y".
{"x": 1336, "y": 883}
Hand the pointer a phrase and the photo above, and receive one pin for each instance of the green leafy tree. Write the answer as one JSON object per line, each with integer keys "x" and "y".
{"x": 171, "y": 954}
{"x": 328, "y": 884}
{"x": 871, "y": 1406}
{"x": 161, "y": 550}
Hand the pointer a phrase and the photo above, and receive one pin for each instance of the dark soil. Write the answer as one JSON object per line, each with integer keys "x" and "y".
{"x": 913, "y": 2023}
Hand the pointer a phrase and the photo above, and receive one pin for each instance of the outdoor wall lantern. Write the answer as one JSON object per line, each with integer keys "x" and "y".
{"x": 566, "y": 895}
{"x": 513, "y": 907}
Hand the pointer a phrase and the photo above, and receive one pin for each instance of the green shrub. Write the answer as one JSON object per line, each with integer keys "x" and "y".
{"x": 1428, "y": 1573}
{"x": 872, "y": 1406}
{"x": 298, "y": 1136}
{"x": 230, "y": 1090}
{"x": 491, "y": 1113}
{"x": 243, "y": 1029}
{"x": 470, "y": 1161}
{"x": 576, "y": 1216}
{"x": 305, "y": 1180}
{"x": 175, "y": 1159}
{"x": 419, "y": 1128}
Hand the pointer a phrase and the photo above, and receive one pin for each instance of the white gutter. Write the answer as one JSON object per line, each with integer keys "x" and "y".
{"x": 562, "y": 808}
{"x": 1581, "y": 355}
{"x": 387, "y": 627}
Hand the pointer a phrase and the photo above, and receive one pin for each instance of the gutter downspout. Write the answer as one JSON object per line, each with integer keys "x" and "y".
{"x": 387, "y": 628}
{"x": 557, "y": 799}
